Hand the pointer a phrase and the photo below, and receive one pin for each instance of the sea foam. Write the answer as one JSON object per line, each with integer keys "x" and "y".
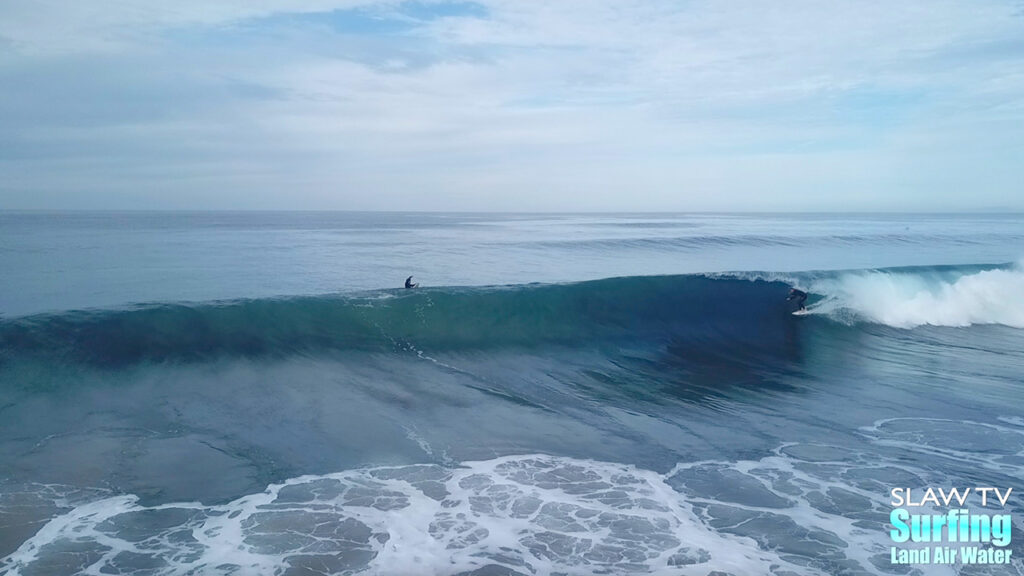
{"x": 803, "y": 509}
{"x": 908, "y": 300}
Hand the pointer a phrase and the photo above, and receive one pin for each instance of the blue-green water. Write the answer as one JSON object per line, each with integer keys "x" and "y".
{"x": 565, "y": 394}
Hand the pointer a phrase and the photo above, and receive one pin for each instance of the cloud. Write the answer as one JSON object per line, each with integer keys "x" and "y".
{"x": 511, "y": 105}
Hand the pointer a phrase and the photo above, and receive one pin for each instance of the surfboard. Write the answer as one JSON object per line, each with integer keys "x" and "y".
{"x": 803, "y": 312}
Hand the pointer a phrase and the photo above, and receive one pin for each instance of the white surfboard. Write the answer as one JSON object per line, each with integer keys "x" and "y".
{"x": 803, "y": 312}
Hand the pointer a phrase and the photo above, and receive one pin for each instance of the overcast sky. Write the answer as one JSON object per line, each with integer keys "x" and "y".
{"x": 512, "y": 105}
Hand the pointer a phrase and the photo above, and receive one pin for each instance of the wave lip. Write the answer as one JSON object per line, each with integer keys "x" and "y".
{"x": 933, "y": 298}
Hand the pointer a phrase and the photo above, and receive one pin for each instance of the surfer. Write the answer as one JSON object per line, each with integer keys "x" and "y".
{"x": 409, "y": 283}
{"x": 800, "y": 296}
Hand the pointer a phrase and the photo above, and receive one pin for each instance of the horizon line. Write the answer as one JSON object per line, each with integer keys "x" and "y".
{"x": 986, "y": 211}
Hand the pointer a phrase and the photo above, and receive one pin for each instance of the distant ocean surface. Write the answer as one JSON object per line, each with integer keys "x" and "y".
{"x": 255, "y": 393}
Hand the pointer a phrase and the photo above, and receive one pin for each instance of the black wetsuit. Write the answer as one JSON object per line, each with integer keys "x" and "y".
{"x": 800, "y": 296}
{"x": 409, "y": 284}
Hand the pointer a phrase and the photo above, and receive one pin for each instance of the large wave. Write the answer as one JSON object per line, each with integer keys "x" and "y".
{"x": 696, "y": 308}
{"x": 705, "y": 312}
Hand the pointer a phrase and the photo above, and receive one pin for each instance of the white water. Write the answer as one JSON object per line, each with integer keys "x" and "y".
{"x": 907, "y": 300}
{"x": 805, "y": 509}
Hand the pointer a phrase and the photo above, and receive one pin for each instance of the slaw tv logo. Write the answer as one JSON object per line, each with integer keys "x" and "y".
{"x": 954, "y": 526}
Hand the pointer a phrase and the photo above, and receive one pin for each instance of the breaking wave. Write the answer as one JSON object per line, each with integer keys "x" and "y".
{"x": 698, "y": 309}
{"x": 936, "y": 297}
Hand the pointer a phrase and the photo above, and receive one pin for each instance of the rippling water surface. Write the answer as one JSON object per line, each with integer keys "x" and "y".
{"x": 253, "y": 393}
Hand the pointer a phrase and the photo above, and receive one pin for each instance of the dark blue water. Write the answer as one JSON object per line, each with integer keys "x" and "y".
{"x": 572, "y": 394}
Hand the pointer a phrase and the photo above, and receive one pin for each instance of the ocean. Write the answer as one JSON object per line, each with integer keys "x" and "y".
{"x": 256, "y": 393}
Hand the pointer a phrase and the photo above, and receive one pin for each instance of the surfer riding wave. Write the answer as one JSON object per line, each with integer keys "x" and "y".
{"x": 800, "y": 296}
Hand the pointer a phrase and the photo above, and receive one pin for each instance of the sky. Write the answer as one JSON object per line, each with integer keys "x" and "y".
{"x": 512, "y": 105}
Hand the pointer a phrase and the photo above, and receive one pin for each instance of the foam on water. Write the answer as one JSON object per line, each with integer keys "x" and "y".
{"x": 908, "y": 300}
{"x": 522, "y": 514}
{"x": 804, "y": 509}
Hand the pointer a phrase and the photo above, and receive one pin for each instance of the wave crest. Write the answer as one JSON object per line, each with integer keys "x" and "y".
{"x": 936, "y": 298}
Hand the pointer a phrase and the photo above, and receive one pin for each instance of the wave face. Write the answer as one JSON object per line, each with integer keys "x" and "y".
{"x": 699, "y": 310}
{"x": 440, "y": 319}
